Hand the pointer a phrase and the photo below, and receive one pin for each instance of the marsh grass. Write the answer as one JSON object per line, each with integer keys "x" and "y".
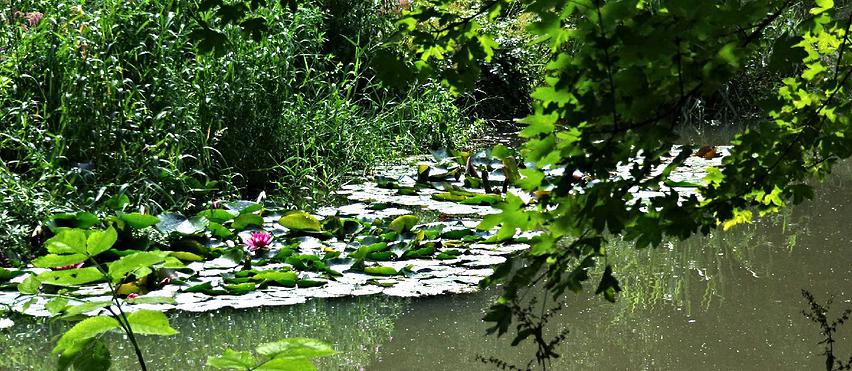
{"x": 111, "y": 97}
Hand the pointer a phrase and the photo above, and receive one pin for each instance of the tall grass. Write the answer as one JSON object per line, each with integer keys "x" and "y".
{"x": 111, "y": 97}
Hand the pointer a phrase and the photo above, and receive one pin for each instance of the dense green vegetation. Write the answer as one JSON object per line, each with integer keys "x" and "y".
{"x": 620, "y": 76}
{"x": 163, "y": 107}
{"x": 109, "y": 98}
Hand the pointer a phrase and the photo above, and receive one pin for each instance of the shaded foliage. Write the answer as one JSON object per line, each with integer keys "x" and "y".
{"x": 619, "y": 77}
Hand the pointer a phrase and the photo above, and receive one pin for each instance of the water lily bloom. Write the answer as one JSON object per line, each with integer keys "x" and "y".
{"x": 132, "y": 295}
{"x": 69, "y": 266}
{"x": 216, "y": 204}
{"x": 257, "y": 241}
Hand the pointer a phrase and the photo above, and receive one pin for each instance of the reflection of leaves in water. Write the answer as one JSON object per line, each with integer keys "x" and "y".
{"x": 670, "y": 275}
{"x": 351, "y": 325}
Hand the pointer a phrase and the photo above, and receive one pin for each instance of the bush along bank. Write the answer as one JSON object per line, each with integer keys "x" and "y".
{"x": 110, "y": 99}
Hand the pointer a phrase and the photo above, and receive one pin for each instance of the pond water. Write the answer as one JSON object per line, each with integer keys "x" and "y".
{"x": 729, "y": 301}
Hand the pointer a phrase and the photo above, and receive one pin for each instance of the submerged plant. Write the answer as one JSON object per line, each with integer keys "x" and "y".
{"x": 818, "y": 313}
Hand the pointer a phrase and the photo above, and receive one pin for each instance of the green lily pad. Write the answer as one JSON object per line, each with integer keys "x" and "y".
{"x": 403, "y": 223}
{"x": 139, "y": 221}
{"x": 245, "y": 220}
{"x": 218, "y": 215}
{"x": 243, "y": 207}
{"x": 240, "y": 288}
{"x": 482, "y": 200}
{"x": 179, "y": 224}
{"x": 300, "y": 221}
{"x": 380, "y": 271}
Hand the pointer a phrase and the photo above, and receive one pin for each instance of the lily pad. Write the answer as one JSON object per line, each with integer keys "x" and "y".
{"x": 300, "y": 221}
{"x": 403, "y": 223}
{"x": 179, "y": 224}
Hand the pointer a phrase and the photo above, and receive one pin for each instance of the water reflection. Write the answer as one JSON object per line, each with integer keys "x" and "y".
{"x": 728, "y": 301}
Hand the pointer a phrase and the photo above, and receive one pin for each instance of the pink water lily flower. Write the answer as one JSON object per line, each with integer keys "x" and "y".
{"x": 257, "y": 241}
{"x": 132, "y": 295}
{"x": 69, "y": 266}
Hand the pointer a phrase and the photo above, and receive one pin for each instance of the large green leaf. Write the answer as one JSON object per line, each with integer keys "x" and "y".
{"x": 53, "y": 260}
{"x": 138, "y": 264}
{"x": 150, "y": 322}
{"x": 71, "y": 277}
{"x": 139, "y": 221}
{"x": 67, "y": 241}
{"x": 100, "y": 241}
{"x": 232, "y": 360}
{"x": 296, "y": 347}
{"x": 300, "y": 221}
{"x": 75, "y": 338}
{"x": 85, "y": 307}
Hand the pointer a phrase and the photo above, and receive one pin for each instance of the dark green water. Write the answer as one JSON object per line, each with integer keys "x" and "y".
{"x": 730, "y": 301}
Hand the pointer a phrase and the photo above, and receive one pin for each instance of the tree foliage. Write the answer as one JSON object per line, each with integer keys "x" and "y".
{"x": 620, "y": 73}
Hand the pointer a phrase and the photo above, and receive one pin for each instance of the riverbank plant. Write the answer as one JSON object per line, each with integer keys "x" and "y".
{"x": 112, "y": 98}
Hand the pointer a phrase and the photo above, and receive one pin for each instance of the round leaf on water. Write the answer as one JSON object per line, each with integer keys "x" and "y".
{"x": 150, "y": 322}
{"x": 310, "y": 283}
{"x": 139, "y": 221}
{"x": 245, "y": 220}
{"x": 456, "y": 234}
{"x": 243, "y": 207}
{"x": 232, "y": 360}
{"x": 403, "y": 223}
{"x": 218, "y": 215}
{"x": 30, "y": 285}
{"x": 240, "y": 288}
{"x": 482, "y": 200}
{"x": 380, "y": 271}
{"x": 219, "y": 230}
{"x": 179, "y": 224}
{"x": 300, "y": 221}
{"x": 296, "y": 347}
{"x": 186, "y": 256}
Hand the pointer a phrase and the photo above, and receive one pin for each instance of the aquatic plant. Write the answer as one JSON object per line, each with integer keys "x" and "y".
{"x": 257, "y": 241}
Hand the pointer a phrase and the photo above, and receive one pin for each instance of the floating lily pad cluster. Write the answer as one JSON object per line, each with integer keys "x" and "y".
{"x": 374, "y": 244}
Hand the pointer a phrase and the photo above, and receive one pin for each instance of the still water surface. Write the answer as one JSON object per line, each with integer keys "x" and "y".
{"x": 729, "y": 301}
